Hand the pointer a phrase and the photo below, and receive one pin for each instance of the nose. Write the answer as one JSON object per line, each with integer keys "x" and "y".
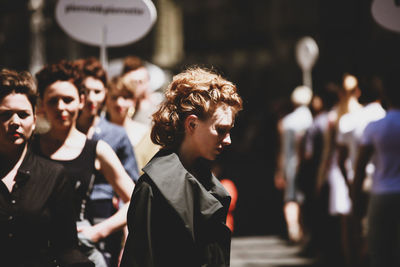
{"x": 15, "y": 121}
{"x": 89, "y": 95}
{"x": 60, "y": 104}
{"x": 120, "y": 101}
{"x": 227, "y": 140}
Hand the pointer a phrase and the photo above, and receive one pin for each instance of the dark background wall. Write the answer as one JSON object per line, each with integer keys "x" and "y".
{"x": 251, "y": 43}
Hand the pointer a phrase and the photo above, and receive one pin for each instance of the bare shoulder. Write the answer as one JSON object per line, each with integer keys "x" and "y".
{"x": 104, "y": 150}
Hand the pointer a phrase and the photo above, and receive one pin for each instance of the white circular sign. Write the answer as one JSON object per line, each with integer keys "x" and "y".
{"x": 108, "y": 22}
{"x": 306, "y": 52}
{"x": 387, "y": 14}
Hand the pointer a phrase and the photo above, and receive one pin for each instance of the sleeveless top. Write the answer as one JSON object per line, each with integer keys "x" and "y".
{"x": 82, "y": 172}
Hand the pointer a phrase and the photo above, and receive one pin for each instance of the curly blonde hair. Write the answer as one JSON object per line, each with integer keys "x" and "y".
{"x": 195, "y": 91}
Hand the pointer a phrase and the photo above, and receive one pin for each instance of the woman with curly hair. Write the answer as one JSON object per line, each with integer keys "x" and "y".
{"x": 61, "y": 101}
{"x": 179, "y": 208}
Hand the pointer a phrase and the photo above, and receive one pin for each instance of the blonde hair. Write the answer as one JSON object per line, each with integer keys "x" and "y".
{"x": 119, "y": 83}
{"x": 194, "y": 91}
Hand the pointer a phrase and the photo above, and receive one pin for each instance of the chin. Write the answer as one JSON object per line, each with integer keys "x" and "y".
{"x": 212, "y": 157}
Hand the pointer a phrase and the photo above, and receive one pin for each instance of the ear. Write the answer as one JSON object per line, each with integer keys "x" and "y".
{"x": 34, "y": 122}
{"x": 82, "y": 99}
{"x": 191, "y": 123}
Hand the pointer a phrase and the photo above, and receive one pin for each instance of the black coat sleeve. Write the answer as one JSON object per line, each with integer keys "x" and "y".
{"x": 139, "y": 250}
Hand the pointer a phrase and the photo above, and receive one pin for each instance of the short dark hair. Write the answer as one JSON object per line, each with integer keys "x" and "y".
{"x": 91, "y": 67}
{"x": 371, "y": 89}
{"x": 61, "y": 71}
{"x": 12, "y": 81}
{"x": 329, "y": 95}
{"x": 132, "y": 63}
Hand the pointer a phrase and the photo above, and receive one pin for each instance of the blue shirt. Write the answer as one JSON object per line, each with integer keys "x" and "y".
{"x": 383, "y": 135}
{"x": 117, "y": 138}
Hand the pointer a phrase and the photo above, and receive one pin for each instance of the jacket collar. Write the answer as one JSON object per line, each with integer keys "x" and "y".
{"x": 180, "y": 188}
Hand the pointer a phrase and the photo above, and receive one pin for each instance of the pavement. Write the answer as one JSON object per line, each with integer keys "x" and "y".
{"x": 266, "y": 251}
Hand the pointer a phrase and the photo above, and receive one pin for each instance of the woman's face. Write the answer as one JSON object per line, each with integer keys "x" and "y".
{"x": 212, "y": 135}
{"x": 95, "y": 93}
{"x": 17, "y": 121}
{"x": 118, "y": 104}
{"x": 61, "y": 104}
{"x": 139, "y": 79}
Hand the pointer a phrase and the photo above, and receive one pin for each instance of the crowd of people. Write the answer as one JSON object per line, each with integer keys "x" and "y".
{"x": 71, "y": 185}
{"x": 74, "y": 143}
{"x": 338, "y": 168}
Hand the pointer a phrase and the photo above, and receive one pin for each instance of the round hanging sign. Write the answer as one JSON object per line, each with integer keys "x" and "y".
{"x": 108, "y": 22}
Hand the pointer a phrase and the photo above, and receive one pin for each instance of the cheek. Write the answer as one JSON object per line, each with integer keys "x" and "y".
{"x": 47, "y": 110}
{"x": 29, "y": 125}
{"x": 75, "y": 106}
{"x": 130, "y": 103}
{"x": 126, "y": 103}
{"x": 100, "y": 98}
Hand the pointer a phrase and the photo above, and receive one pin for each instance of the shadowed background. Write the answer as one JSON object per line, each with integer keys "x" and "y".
{"x": 249, "y": 42}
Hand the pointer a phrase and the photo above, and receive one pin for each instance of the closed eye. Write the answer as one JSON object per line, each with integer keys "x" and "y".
{"x": 222, "y": 131}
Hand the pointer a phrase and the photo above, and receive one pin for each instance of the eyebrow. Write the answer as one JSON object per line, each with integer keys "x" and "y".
{"x": 8, "y": 109}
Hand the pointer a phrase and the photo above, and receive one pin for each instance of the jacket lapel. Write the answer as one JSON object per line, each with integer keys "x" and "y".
{"x": 181, "y": 189}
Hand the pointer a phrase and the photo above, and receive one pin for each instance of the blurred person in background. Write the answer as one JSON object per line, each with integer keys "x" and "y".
{"x": 179, "y": 208}
{"x": 136, "y": 75}
{"x": 121, "y": 105}
{"x": 314, "y": 208}
{"x": 62, "y": 100}
{"x": 330, "y": 179}
{"x": 292, "y": 129}
{"x": 351, "y": 128}
{"x": 37, "y": 225}
{"x": 380, "y": 143}
{"x": 90, "y": 122}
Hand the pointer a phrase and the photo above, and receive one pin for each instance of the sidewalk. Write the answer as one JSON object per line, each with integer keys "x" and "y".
{"x": 266, "y": 251}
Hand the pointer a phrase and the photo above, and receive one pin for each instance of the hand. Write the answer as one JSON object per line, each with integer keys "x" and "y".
{"x": 115, "y": 202}
{"x": 90, "y": 232}
{"x": 280, "y": 182}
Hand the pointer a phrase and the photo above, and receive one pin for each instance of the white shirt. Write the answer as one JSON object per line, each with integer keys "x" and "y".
{"x": 351, "y": 128}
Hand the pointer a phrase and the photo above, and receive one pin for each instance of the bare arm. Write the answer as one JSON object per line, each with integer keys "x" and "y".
{"x": 279, "y": 178}
{"x": 110, "y": 166}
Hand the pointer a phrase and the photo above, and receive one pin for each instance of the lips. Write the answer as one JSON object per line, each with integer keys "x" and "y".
{"x": 16, "y": 135}
{"x": 92, "y": 107}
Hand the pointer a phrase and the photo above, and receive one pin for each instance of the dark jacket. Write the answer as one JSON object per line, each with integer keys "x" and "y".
{"x": 176, "y": 220}
{"x": 37, "y": 226}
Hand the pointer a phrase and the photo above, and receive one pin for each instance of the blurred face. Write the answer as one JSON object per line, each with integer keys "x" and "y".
{"x": 118, "y": 104}
{"x": 211, "y": 136}
{"x": 17, "y": 121}
{"x": 61, "y": 104}
{"x": 140, "y": 79}
{"x": 95, "y": 93}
